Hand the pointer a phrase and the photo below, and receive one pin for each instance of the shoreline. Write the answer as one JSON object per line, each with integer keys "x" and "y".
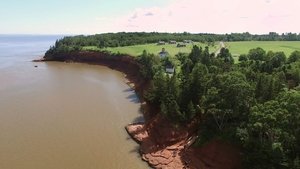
{"x": 162, "y": 145}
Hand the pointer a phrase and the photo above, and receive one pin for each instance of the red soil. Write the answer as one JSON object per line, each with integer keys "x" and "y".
{"x": 165, "y": 146}
{"x": 213, "y": 155}
{"x": 161, "y": 142}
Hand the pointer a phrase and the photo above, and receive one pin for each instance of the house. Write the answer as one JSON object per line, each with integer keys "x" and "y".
{"x": 179, "y": 45}
{"x": 187, "y": 41}
{"x": 161, "y": 43}
{"x": 170, "y": 69}
{"x": 163, "y": 53}
{"x": 172, "y": 42}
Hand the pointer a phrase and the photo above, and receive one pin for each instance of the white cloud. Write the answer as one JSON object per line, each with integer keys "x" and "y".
{"x": 217, "y": 16}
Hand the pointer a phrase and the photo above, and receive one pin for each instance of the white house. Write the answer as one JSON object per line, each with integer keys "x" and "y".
{"x": 172, "y": 42}
{"x": 161, "y": 43}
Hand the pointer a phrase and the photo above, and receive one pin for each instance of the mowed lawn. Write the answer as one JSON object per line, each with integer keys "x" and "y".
{"x": 237, "y": 48}
{"x": 136, "y": 50}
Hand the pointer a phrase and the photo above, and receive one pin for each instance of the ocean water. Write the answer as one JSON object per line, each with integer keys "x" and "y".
{"x": 62, "y": 115}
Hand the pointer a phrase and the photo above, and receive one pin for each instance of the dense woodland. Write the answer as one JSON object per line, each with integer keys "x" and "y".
{"x": 68, "y": 44}
{"x": 254, "y": 104}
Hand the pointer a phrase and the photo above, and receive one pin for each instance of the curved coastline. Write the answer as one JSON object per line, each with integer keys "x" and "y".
{"x": 162, "y": 145}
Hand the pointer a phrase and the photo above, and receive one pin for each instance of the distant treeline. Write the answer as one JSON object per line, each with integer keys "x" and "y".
{"x": 127, "y": 39}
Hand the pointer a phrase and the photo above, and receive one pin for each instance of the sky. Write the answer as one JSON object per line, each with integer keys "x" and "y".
{"x": 195, "y": 16}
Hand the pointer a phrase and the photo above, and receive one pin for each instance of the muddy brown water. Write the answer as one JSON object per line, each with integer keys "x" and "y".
{"x": 65, "y": 116}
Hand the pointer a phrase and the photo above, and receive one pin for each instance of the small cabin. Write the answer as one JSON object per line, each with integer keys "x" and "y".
{"x": 172, "y": 42}
{"x": 163, "y": 53}
{"x": 161, "y": 43}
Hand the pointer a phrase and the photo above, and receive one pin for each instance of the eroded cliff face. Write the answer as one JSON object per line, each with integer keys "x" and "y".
{"x": 165, "y": 146}
{"x": 114, "y": 61}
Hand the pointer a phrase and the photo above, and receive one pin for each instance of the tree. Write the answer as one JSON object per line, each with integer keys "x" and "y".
{"x": 257, "y": 54}
{"x": 278, "y": 59}
{"x": 227, "y": 103}
{"x": 206, "y": 57}
{"x": 169, "y": 100}
{"x": 264, "y": 87}
{"x": 195, "y": 54}
{"x": 191, "y": 111}
{"x": 243, "y": 58}
{"x": 158, "y": 88}
{"x": 150, "y": 64}
{"x": 226, "y": 56}
{"x": 198, "y": 78}
{"x": 293, "y": 74}
{"x": 187, "y": 67}
{"x": 295, "y": 56}
{"x": 271, "y": 137}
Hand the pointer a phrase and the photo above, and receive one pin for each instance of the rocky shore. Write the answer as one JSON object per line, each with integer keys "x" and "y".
{"x": 165, "y": 146}
{"x": 160, "y": 148}
{"x": 162, "y": 144}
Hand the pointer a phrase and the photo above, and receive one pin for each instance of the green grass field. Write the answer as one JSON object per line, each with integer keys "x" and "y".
{"x": 152, "y": 48}
{"x": 237, "y": 48}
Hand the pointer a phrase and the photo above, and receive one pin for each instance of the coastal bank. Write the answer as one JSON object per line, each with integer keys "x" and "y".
{"x": 162, "y": 144}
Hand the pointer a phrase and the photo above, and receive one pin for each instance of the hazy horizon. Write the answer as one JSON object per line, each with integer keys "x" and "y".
{"x": 41, "y": 17}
